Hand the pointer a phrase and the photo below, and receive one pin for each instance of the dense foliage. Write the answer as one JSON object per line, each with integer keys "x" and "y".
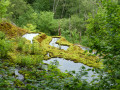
{"x": 4, "y": 45}
{"x": 103, "y": 31}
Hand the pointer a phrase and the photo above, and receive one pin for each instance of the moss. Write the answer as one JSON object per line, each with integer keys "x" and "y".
{"x": 40, "y": 37}
{"x": 74, "y": 53}
{"x": 30, "y": 54}
{"x": 12, "y": 56}
{"x": 63, "y": 41}
{"x": 12, "y": 31}
{"x": 46, "y": 57}
{"x": 41, "y": 47}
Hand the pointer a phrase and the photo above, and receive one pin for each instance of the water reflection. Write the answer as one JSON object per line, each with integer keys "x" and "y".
{"x": 86, "y": 48}
{"x": 30, "y": 36}
{"x": 53, "y": 43}
{"x": 64, "y": 64}
{"x": 71, "y": 66}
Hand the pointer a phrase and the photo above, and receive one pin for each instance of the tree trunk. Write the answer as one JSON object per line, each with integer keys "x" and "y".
{"x": 54, "y": 6}
{"x": 59, "y": 30}
{"x": 64, "y": 4}
{"x": 70, "y": 27}
{"x": 79, "y": 8}
{"x": 80, "y": 37}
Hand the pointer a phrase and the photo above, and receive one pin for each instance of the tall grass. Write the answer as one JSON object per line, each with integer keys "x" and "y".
{"x": 28, "y": 60}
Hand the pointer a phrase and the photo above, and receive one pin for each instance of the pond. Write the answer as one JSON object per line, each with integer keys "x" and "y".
{"x": 65, "y": 64}
{"x": 53, "y": 43}
{"x": 71, "y": 66}
{"x": 30, "y": 36}
{"x": 86, "y": 48}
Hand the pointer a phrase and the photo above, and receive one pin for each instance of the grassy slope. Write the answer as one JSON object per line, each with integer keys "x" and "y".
{"x": 41, "y": 47}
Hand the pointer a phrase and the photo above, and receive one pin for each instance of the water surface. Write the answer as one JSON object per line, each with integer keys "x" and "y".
{"x": 71, "y": 66}
{"x": 53, "y": 43}
{"x": 63, "y": 64}
{"x": 30, "y": 36}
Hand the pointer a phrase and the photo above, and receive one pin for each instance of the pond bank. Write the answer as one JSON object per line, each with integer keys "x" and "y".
{"x": 67, "y": 64}
{"x": 71, "y": 52}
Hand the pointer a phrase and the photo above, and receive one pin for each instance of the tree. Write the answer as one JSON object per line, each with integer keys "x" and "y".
{"x": 18, "y": 8}
{"x": 46, "y": 23}
{"x": 3, "y": 7}
{"x": 103, "y": 31}
{"x": 30, "y": 1}
{"x": 42, "y": 5}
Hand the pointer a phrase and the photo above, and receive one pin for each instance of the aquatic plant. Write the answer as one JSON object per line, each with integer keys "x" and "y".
{"x": 73, "y": 53}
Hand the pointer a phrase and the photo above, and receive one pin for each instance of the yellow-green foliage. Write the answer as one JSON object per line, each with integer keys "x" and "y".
{"x": 12, "y": 56}
{"x": 26, "y": 60}
{"x": 44, "y": 40}
{"x": 40, "y": 37}
{"x": 63, "y": 41}
{"x": 12, "y": 30}
{"x": 19, "y": 83}
{"x": 23, "y": 52}
{"x": 30, "y": 27}
{"x": 74, "y": 53}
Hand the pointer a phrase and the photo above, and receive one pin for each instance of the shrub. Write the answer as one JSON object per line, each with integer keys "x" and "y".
{"x": 30, "y": 27}
{"x": 46, "y": 23}
{"x": 36, "y": 49}
{"x": 2, "y": 35}
{"x": 28, "y": 60}
{"x": 4, "y": 45}
{"x": 21, "y": 42}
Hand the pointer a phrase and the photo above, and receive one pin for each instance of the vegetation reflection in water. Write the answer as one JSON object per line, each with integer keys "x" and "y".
{"x": 70, "y": 65}
{"x": 30, "y": 36}
{"x": 53, "y": 43}
{"x": 65, "y": 64}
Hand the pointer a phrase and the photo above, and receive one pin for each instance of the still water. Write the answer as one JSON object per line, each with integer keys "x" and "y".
{"x": 65, "y": 64}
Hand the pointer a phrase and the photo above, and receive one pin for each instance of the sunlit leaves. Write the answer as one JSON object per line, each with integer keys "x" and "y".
{"x": 4, "y": 45}
{"x": 47, "y": 23}
{"x": 103, "y": 32}
{"x": 3, "y": 7}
